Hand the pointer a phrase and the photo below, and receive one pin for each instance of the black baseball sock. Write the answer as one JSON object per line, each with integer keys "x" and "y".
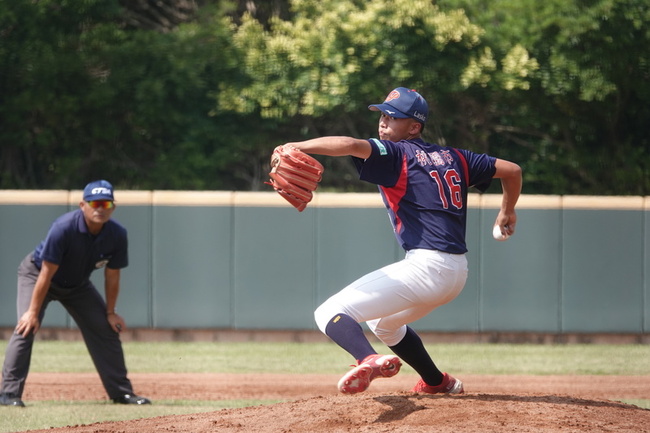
{"x": 348, "y": 334}
{"x": 411, "y": 350}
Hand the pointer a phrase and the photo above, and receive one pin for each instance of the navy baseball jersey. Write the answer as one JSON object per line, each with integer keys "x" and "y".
{"x": 424, "y": 187}
{"x": 78, "y": 253}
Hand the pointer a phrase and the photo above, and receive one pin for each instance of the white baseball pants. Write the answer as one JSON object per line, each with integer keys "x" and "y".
{"x": 400, "y": 293}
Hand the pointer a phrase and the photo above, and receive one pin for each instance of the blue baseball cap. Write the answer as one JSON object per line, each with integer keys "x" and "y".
{"x": 403, "y": 103}
{"x": 98, "y": 190}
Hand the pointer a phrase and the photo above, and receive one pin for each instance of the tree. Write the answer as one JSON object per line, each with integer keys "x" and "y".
{"x": 333, "y": 58}
{"x": 578, "y": 128}
{"x": 556, "y": 86}
{"x": 160, "y": 15}
{"x": 184, "y": 94}
{"x": 85, "y": 97}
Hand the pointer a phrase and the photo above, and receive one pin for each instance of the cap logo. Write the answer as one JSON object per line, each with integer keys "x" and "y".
{"x": 100, "y": 190}
{"x": 421, "y": 117}
{"x": 392, "y": 95}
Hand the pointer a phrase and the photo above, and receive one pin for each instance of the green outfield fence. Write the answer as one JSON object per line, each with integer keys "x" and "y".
{"x": 243, "y": 261}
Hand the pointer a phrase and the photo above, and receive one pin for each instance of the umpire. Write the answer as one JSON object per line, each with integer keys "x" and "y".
{"x": 59, "y": 269}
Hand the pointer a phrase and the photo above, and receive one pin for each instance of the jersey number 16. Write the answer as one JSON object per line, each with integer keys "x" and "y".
{"x": 451, "y": 180}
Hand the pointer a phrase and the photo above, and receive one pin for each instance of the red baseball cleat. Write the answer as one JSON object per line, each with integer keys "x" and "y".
{"x": 373, "y": 366}
{"x": 449, "y": 385}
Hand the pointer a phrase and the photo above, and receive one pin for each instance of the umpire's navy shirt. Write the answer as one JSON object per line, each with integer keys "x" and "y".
{"x": 78, "y": 253}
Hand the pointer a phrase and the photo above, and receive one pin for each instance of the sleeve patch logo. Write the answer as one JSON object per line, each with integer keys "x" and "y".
{"x": 380, "y": 146}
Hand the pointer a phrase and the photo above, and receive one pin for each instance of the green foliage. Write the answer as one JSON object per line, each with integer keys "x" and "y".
{"x": 561, "y": 87}
{"x": 577, "y": 127}
{"x": 336, "y": 55}
{"x": 84, "y": 98}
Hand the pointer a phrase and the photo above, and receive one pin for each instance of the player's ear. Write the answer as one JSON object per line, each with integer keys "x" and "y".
{"x": 416, "y": 128}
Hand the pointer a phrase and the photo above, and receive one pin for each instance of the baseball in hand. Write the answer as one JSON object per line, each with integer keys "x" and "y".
{"x": 496, "y": 234}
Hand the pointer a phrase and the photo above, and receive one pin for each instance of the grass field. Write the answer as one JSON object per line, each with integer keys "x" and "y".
{"x": 202, "y": 357}
{"x": 298, "y": 358}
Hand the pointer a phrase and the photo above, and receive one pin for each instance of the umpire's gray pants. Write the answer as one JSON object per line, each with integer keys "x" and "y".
{"x": 88, "y": 309}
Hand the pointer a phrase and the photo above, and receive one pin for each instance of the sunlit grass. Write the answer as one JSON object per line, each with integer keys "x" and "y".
{"x": 295, "y": 358}
{"x": 203, "y": 357}
{"x": 46, "y": 414}
{"x": 644, "y": 404}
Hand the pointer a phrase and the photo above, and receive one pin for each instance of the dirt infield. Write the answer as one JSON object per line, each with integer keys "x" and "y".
{"x": 490, "y": 404}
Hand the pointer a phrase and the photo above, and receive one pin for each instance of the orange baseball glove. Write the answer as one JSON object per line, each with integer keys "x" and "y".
{"x": 294, "y": 175}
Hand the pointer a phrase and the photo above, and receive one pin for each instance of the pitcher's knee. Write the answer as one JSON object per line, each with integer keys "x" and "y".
{"x": 390, "y": 337}
{"x": 324, "y": 314}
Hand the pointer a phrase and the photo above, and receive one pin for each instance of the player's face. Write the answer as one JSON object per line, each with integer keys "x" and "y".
{"x": 97, "y": 212}
{"x": 394, "y": 129}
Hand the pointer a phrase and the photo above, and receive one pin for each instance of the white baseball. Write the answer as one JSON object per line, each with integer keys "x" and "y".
{"x": 496, "y": 234}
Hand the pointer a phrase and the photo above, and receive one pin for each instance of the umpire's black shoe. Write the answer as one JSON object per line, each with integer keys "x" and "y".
{"x": 10, "y": 400}
{"x": 131, "y": 399}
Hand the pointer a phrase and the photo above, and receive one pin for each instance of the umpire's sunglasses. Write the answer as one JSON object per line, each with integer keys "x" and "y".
{"x": 101, "y": 204}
